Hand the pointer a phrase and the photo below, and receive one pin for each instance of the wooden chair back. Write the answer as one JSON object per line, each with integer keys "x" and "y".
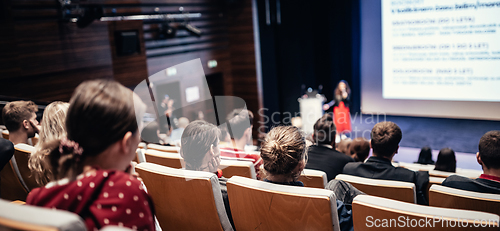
{"x": 16, "y": 178}
{"x": 184, "y": 199}
{"x": 446, "y": 197}
{"x": 162, "y": 148}
{"x": 172, "y": 160}
{"x": 5, "y": 134}
{"x": 242, "y": 168}
{"x": 432, "y": 181}
{"x": 259, "y": 205}
{"x": 370, "y": 213}
{"x": 26, "y": 217}
{"x": 313, "y": 178}
{"x": 397, "y": 190}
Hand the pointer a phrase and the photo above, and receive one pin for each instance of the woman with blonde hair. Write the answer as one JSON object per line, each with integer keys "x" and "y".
{"x": 53, "y": 127}
{"x": 284, "y": 154}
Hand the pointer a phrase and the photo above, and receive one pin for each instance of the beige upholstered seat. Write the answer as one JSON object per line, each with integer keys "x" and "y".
{"x": 26, "y": 217}
{"x": 237, "y": 168}
{"x": 397, "y": 190}
{"x": 184, "y": 199}
{"x": 168, "y": 159}
{"x": 259, "y": 205}
{"x": 314, "y": 178}
{"x": 447, "y": 197}
{"x": 377, "y": 213}
{"x": 162, "y": 148}
{"x": 140, "y": 156}
{"x": 5, "y": 134}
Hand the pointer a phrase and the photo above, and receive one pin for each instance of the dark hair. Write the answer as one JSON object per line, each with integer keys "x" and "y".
{"x": 149, "y": 133}
{"x": 344, "y": 146}
{"x": 239, "y": 120}
{"x": 337, "y": 90}
{"x": 196, "y": 141}
{"x": 361, "y": 147}
{"x": 15, "y": 112}
{"x": 282, "y": 150}
{"x": 385, "y": 138}
{"x": 324, "y": 130}
{"x": 425, "y": 156}
{"x": 489, "y": 149}
{"x": 446, "y": 160}
{"x": 101, "y": 112}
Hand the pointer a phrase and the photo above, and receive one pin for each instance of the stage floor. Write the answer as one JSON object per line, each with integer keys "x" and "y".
{"x": 461, "y": 135}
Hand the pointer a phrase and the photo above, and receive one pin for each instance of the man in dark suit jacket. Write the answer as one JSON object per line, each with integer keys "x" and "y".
{"x": 323, "y": 155}
{"x": 385, "y": 138}
{"x": 489, "y": 158}
{"x": 6, "y": 152}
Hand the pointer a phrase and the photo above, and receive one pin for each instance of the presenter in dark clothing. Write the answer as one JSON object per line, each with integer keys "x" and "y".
{"x": 385, "y": 138}
{"x": 322, "y": 156}
{"x": 340, "y": 103}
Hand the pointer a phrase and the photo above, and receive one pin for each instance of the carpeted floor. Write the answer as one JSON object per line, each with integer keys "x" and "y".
{"x": 458, "y": 134}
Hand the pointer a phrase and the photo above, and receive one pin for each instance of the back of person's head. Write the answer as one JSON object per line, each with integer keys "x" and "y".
{"x": 425, "y": 156}
{"x": 385, "y": 138}
{"x": 282, "y": 150}
{"x": 446, "y": 160}
{"x": 239, "y": 121}
{"x": 101, "y": 112}
{"x": 489, "y": 149}
{"x": 324, "y": 130}
{"x": 15, "y": 112}
{"x": 149, "y": 133}
{"x": 53, "y": 127}
{"x": 360, "y": 149}
{"x": 198, "y": 138}
{"x": 183, "y": 122}
{"x": 344, "y": 146}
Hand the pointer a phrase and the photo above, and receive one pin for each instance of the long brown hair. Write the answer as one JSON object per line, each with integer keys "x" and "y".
{"x": 101, "y": 112}
{"x": 347, "y": 88}
{"x": 282, "y": 150}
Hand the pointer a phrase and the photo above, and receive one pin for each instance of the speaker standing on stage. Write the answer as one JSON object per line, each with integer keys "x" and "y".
{"x": 340, "y": 103}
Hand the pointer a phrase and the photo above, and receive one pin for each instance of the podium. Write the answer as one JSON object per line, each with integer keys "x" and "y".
{"x": 311, "y": 109}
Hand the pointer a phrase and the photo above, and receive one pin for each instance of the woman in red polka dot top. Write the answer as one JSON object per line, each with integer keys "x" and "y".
{"x": 92, "y": 165}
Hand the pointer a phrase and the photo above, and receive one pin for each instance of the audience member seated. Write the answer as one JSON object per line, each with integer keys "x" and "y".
{"x": 446, "y": 160}
{"x": 489, "y": 158}
{"x": 385, "y": 138}
{"x": 322, "y": 156}
{"x": 53, "y": 127}
{"x": 92, "y": 166}
{"x": 344, "y": 146}
{"x": 240, "y": 128}
{"x": 150, "y": 133}
{"x": 425, "y": 156}
{"x": 6, "y": 152}
{"x": 200, "y": 151}
{"x": 360, "y": 149}
{"x": 176, "y": 135}
{"x": 20, "y": 120}
{"x": 284, "y": 155}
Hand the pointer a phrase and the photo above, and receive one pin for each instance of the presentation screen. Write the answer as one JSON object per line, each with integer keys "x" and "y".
{"x": 438, "y": 58}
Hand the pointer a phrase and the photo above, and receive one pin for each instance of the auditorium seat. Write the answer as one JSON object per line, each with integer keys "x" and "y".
{"x": 397, "y": 190}
{"x": 16, "y": 178}
{"x": 140, "y": 156}
{"x": 437, "y": 173}
{"x": 259, "y": 205}
{"x": 237, "y": 168}
{"x": 5, "y": 134}
{"x": 434, "y": 181}
{"x": 142, "y": 145}
{"x": 371, "y": 211}
{"x": 184, "y": 199}
{"x": 162, "y": 148}
{"x": 168, "y": 159}
{"x": 313, "y": 178}
{"x": 417, "y": 167}
{"x": 447, "y": 197}
{"x": 26, "y": 217}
